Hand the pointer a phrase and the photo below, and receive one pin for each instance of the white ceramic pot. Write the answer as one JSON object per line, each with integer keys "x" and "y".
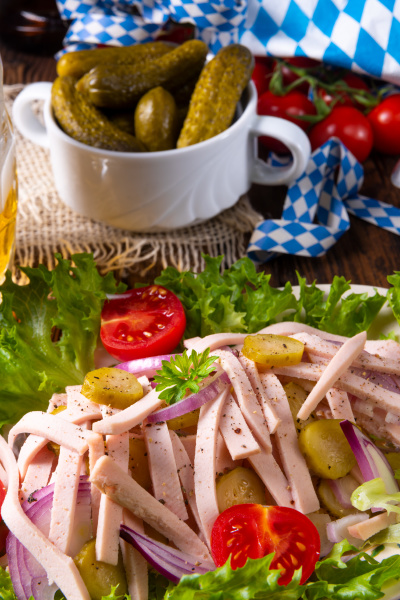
{"x": 159, "y": 191}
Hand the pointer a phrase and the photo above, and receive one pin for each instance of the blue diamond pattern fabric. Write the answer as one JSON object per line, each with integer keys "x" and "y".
{"x": 362, "y": 35}
{"x": 316, "y": 209}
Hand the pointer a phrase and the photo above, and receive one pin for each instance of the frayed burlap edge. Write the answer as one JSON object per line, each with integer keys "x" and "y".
{"x": 46, "y": 226}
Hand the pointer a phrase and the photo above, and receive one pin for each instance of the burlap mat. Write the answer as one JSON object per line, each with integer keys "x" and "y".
{"x": 45, "y": 226}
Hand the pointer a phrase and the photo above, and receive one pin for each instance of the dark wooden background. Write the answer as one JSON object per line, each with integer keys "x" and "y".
{"x": 364, "y": 255}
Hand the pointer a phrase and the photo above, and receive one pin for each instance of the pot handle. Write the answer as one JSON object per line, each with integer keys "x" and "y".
{"x": 23, "y": 116}
{"x": 296, "y": 141}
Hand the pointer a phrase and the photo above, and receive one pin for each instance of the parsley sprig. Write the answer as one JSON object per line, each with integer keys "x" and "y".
{"x": 183, "y": 373}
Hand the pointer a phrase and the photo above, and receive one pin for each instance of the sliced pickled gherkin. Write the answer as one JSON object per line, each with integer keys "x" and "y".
{"x": 217, "y": 92}
{"x": 187, "y": 420}
{"x": 59, "y": 409}
{"x": 84, "y": 123}
{"x": 326, "y": 449}
{"x": 100, "y": 577}
{"x": 112, "y": 387}
{"x": 331, "y": 503}
{"x": 120, "y": 87}
{"x": 239, "y": 486}
{"x": 296, "y": 396}
{"x": 76, "y": 64}
{"x": 393, "y": 459}
{"x": 273, "y": 350}
{"x": 138, "y": 462}
{"x": 156, "y": 120}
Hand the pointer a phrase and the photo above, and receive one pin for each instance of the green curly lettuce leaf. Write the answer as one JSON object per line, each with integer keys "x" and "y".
{"x": 32, "y": 364}
{"x": 241, "y": 300}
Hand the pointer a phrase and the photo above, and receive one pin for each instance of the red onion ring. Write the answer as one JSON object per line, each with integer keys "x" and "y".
{"x": 192, "y": 402}
{"x": 28, "y": 576}
{"x": 171, "y": 563}
{"x": 370, "y": 459}
{"x": 145, "y": 366}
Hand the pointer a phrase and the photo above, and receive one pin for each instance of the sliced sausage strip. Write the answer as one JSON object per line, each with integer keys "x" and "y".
{"x": 124, "y": 490}
{"x": 110, "y": 513}
{"x": 135, "y": 564}
{"x": 56, "y": 401}
{"x": 128, "y": 418}
{"x": 80, "y": 410}
{"x": 371, "y": 526}
{"x": 189, "y": 443}
{"x": 339, "y": 404}
{"x": 349, "y": 382}
{"x": 163, "y": 469}
{"x": 383, "y": 348}
{"x": 336, "y": 367}
{"x": 38, "y": 473}
{"x": 236, "y": 433}
{"x": 96, "y": 451}
{"x": 247, "y": 399}
{"x": 223, "y": 460}
{"x": 66, "y": 483}
{"x": 291, "y": 328}
{"x": 273, "y": 478}
{"x": 214, "y": 341}
{"x": 294, "y": 464}
{"x": 185, "y": 470}
{"x": 374, "y": 362}
{"x": 254, "y": 377}
{"x": 54, "y": 428}
{"x": 204, "y": 462}
{"x": 60, "y": 568}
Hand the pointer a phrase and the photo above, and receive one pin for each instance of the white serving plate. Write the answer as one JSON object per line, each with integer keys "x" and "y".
{"x": 384, "y": 323}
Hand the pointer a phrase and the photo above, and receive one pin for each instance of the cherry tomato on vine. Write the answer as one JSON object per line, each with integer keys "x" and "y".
{"x": 263, "y": 69}
{"x": 385, "y": 122}
{"x": 302, "y": 62}
{"x": 350, "y": 126}
{"x": 289, "y": 107}
{"x": 344, "y": 99}
{"x": 253, "y": 531}
{"x": 142, "y": 322}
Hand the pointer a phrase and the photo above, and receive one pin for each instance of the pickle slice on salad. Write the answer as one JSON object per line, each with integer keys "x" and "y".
{"x": 239, "y": 486}
{"x": 112, "y": 387}
{"x": 326, "y": 449}
{"x": 100, "y": 577}
{"x": 273, "y": 350}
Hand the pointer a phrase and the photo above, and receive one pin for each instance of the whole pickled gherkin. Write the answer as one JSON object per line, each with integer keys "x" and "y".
{"x": 76, "y": 64}
{"x": 217, "y": 92}
{"x": 156, "y": 120}
{"x": 120, "y": 87}
{"x": 84, "y": 123}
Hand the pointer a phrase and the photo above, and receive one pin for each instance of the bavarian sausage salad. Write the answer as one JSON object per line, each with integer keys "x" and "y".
{"x": 262, "y": 463}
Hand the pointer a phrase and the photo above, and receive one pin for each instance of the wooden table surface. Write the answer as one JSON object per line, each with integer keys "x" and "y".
{"x": 365, "y": 254}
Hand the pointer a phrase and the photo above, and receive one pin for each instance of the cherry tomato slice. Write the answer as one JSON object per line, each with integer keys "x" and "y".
{"x": 3, "y": 492}
{"x": 253, "y": 531}
{"x": 142, "y": 322}
{"x": 3, "y": 526}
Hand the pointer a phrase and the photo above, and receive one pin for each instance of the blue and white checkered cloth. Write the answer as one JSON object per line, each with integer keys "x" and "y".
{"x": 362, "y": 35}
{"x": 315, "y": 212}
